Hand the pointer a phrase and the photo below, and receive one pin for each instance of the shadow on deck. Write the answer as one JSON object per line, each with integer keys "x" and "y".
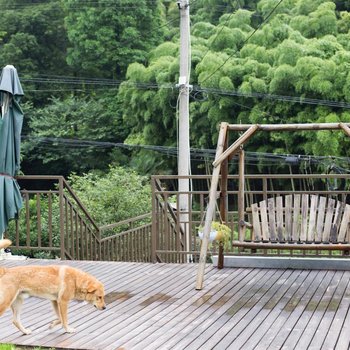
{"x": 156, "y": 306}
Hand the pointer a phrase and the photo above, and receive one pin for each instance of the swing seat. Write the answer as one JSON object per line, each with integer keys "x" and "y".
{"x": 303, "y": 222}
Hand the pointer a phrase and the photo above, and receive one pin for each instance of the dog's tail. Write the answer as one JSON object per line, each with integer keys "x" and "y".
{"x": 4, "y": 243}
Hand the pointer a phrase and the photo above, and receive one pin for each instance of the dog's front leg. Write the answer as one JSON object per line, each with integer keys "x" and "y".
{"x": 16, "y": 307}
{"x": 58, "y": 320}
{"x": 63, "y": 311}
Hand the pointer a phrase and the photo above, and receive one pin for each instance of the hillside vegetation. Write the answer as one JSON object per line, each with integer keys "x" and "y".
{"x": 102, "y": 74}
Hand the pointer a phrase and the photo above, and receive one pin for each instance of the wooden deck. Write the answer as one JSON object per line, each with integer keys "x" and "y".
{"x": 156, "y": 307}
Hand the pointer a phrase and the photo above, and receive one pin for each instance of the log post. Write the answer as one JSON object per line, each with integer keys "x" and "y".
{"x": 223, "y": 202}
{"x": 241, "y": 209}
{"x": 211, "y": 209}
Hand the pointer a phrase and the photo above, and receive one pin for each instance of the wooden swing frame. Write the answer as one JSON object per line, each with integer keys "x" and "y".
{"x": 220, "y": 164}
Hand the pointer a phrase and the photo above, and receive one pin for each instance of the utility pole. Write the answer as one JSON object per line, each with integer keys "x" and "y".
{"x": 184, "y": 121}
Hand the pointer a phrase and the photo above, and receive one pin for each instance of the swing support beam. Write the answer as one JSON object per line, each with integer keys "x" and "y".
{"x": 221, "y": 165}
{"x": 219, "y": 158}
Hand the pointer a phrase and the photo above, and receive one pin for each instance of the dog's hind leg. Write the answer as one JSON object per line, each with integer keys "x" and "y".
{"x": 16, "y": 307}
{"x": 9, "y": 297}
{"x": 8, "y": 293}
{"x": 58, "y": 320}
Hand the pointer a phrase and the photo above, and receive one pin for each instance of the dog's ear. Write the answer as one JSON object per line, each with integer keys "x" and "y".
{"x": 91, "y": 288}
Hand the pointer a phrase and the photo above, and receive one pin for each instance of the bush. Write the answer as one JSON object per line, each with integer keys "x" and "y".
{"x": 118, "y": 195}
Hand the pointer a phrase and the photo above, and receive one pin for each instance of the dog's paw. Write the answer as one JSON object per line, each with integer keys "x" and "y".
{"x": 54, "y": 323}
{"x": 70, "y": 330}
{"x": 26, "y": 331}
{"x": 19, "y": 325}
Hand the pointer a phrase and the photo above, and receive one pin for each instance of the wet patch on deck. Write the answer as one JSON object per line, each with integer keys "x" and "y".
{"x": 114, "y": 296}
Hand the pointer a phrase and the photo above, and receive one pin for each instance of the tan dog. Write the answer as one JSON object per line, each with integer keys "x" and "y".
{"x": 57, "y": 283}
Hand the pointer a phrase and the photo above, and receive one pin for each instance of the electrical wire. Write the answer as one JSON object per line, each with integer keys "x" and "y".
{"x": 77, "y": 4}
{"x": 293, "y": 99}
{"x": 109, "y": 83}
{"x": 271, "y": 158}
{"x": 244, "y": 42}
{"x": 219, "y": 32}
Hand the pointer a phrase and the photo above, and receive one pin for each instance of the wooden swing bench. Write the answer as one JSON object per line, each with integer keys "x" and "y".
{"x": 303, "y": 222}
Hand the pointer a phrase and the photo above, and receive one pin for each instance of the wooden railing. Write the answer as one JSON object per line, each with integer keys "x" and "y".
{"x": 131, "y": 243}
{"x": 168, "y": 232}
{"x": 54, "y": 223}
{"x": 257, "y": 188}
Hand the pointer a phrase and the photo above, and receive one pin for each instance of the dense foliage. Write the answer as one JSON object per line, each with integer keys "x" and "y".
{"x": 118, "y": 195}
{"x": 106, "y": 72}
{"x": 301, "y": 52}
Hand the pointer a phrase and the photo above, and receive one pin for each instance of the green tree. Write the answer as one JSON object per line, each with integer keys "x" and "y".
{"x": 301, "y": 51}
{"x": 57, "y": 130}
{"x": 33, "y": 36}
{"x": 105, "y": 36}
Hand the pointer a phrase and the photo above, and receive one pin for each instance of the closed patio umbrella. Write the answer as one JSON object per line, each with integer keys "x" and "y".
{"x": 11, "y": 121}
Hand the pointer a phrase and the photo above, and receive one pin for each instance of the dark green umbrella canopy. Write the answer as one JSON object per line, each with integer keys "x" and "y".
{"x": 11, "y": 121}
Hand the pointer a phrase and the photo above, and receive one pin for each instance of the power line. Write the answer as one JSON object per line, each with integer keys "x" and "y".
{"x": 219, "y": 32}
{"x": 98, "y": 5}
{"x": 111, "y": 83}
{"x": 245, "y": 41}
{"x": 284, "y": 98}
{"x": 173, "y": 151}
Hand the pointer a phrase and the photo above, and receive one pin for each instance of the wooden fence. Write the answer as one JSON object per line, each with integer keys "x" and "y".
{"x": 54, "y": 222}
{"x": 132, "y": 242}
{"x": 257, "y": 188}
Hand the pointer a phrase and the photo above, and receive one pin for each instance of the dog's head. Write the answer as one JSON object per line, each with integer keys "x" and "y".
{"x": 95, "y": 294}
{"x": 4, "y": 243}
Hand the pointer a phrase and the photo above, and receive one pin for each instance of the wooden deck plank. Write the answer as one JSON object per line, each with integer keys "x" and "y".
{"x": 239, "y": 335}
{"x": 155, "y": 306}
{"x": 238, "y": 311}
{"x": 278, "y": 316}
{"x": 182, "y": 322}
{"x": 320, "y": 312}
{"x": 343, "y": 342}
{"x": 137, "y": 331}
{"x": 250, "y": 337}
{"x": 197, "y": 333}
{"x": 277, "y": 335}
{"x": 296, "y": 333}
{"x": 332, "y": 308}
{"x": 339, "y": 320}
{"x": 140, "y": 305}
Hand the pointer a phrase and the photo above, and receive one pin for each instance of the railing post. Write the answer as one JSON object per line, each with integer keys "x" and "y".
{"x": 99, "y": 244}
{"x": 61, "y": 203}
{"x": 154, "y": 222}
